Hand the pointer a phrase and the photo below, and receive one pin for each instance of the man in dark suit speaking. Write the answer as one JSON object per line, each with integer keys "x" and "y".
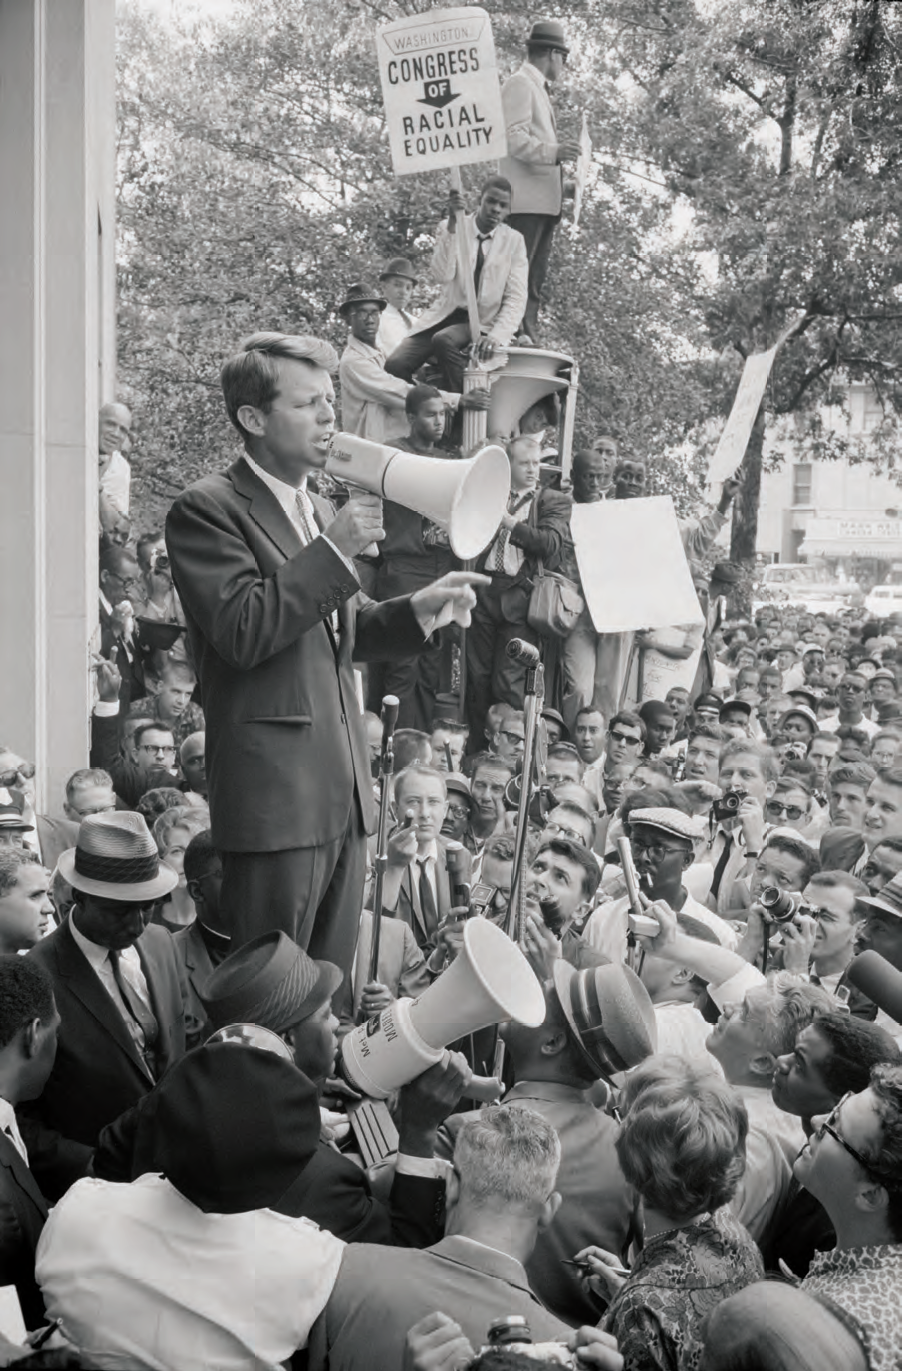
{"x": 266, "y": 577}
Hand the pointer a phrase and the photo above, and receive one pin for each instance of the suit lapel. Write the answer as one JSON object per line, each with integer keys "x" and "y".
{"x": 11, "y": 1160}
{"x": 83, "y": 982}
{"x": 265, "y": 509}
{"x": 323, "y": 513}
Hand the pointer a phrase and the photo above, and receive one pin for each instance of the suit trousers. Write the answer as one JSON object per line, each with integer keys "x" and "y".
{"x": 314, "y": 894}
{"x": 447, "y": 342}
{"x": 491, "y": 675}
{"x": 538, "y": 231}
{"x": 416, "y": 681}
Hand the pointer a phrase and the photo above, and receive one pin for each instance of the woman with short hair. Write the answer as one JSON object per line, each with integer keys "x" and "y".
{"x": 682, "y": 1146}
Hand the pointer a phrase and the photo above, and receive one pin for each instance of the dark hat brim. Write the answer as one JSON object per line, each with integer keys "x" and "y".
{"x": 347, "y": 305}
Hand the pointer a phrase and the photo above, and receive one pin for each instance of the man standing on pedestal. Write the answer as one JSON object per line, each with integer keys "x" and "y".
{"x": 533, "y": 164}
{"x": 266, "y": 576}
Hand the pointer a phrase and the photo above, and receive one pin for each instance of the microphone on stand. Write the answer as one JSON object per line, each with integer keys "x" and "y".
{"x": 520, "y": 651}
{"x": 389, "y": 716}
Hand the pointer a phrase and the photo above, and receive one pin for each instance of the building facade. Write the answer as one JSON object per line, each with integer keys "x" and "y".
{"x": 847, "y": 515}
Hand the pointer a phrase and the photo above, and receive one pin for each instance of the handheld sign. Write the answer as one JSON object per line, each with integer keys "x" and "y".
{"x": 441, "y": 90}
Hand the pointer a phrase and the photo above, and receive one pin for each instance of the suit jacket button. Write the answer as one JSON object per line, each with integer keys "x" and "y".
{"x": 324, "y": 608}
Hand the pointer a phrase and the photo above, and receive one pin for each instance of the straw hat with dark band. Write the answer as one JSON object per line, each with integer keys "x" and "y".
{"x": 116, "y": 858}
{"x": 269, "y": 981}
{"x": 610, "y": 1015}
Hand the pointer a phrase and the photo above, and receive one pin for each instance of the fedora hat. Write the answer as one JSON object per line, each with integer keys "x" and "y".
{"x": 232, "y": 1127}
{"x": 889, "y": 899}
{"x": 399, "y": 266}
{"x": 116, "y": 857}
{"x": 12, "y": 818}
{"x": 458, "y": 783}
{"x": 610, "y": 1015}
{"x": 269, "y": 981}
{"x": 359, "y": 294}
{"x": 549, "y": 33}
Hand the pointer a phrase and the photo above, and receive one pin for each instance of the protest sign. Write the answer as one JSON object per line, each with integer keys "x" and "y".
{"x": 441, "y": 90}
{"x": 738, "y": 429}
{"x": 632, "y": 565}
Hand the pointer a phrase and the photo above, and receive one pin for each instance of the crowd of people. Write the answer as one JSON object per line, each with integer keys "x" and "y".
{"x": 694, "y": 1162}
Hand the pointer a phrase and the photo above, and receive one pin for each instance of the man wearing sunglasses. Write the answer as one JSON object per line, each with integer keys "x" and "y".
{"x": 852, "y": 693}
{"x": 662, "y": 842}
{"x": 853, "y": 1164}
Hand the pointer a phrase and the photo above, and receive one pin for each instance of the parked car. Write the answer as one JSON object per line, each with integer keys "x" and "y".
{"x": 810, "y": 587}
{"x": 884, "y": 600}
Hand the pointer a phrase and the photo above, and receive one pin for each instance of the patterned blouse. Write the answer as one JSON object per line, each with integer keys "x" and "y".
{"x": 864, "y": 1284}
{"x": 680, "y": 1276}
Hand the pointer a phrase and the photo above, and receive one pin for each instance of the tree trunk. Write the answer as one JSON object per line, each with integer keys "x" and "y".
{"x": 744, "y": 535}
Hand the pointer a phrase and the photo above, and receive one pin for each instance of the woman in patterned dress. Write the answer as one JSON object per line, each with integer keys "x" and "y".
{"x": 682, "y": 1147}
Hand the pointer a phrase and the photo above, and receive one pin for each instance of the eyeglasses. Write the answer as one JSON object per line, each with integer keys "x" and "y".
{"x": 509, "y": 737}
{"x": 776, "y": 809}
{"x": 562, "y": 53}
{"x": 624, "y": 738}
{"x": 561, "y": 832}
{"x": 458, "y": 811}
{"x": 656, "y": 851}
{"x": 829, "y": 1126}
{"x": 165, "y": 748}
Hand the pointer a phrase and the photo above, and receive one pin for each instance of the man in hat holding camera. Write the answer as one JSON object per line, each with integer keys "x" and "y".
{"x": 533, "y": 163}
{"x": 120, "y": 990}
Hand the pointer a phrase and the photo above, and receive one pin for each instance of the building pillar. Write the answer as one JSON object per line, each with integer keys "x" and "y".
{"x": 57, "y": 364}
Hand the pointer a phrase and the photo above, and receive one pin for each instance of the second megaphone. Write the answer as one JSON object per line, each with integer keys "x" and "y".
{"x": 467, "y": 498}
{"x": 488, "y": 982}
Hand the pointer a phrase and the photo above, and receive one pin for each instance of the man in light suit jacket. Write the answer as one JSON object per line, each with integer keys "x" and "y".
{"x": 120, "y": 992}
{"x": 533, "y": 163}
{"x": 497, "y": 254}
{"x": 474, "y": 1274}
{"x": 400, "y": 972}
{"x": 28, "y": 1027}
{"x": 275, "y": 621}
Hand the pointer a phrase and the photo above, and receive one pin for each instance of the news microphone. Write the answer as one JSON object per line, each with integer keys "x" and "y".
{"x": 877, "y": 978}
{"x": 460, "y": 868}
{"x": 389, "y": 716}
{"x": 520, "y": 651}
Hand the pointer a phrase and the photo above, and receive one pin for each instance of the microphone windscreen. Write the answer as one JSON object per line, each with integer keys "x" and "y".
{"x": 390, "y": 707}
{"x": 877, "y": 978}
{"x": 520, "y": 651}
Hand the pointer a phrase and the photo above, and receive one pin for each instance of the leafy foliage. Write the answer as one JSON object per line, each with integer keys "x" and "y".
{"x": 746, "y": 173}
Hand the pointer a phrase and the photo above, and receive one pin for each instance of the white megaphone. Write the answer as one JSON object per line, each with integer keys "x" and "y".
{"x": 467, "y": 497}
{"x": 489, "y": 982}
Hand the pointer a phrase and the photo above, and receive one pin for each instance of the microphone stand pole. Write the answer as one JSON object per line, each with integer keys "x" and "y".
{"x": 390, "y": 705}
{"x": 534, "y": 696}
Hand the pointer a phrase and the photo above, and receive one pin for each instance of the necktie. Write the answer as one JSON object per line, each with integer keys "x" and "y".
{"x": 142, "y": 1023}
{"x": 427, "y": 899}
{"x": 311, "y": 532}
{"x": 504, "y": 534}
{"x": 721, "y": 867}
{"x": 15, "y": 1138}
{"x": 482, "y": 239}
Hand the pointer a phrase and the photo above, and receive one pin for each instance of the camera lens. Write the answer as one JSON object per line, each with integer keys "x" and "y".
{"x": 781, "y": 906}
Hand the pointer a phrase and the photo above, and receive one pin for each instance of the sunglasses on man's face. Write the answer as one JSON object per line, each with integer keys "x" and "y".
{"x": 776, "y": 810}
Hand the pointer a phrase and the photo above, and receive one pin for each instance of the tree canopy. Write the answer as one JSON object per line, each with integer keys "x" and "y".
{"x": 746, "y": 171}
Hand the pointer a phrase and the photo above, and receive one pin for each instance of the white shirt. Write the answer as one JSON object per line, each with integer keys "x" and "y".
{"x": 288, "y": 497}
{"x": 774, "y": 1141}
{"x": 513, "y": 555}
{"x": 683, "y": 1032}
{"x": 607, "y": 926}
{"x": 9, "y": 1126}
{"x": 142, "y": 1278}
{"x": 115, "y": 482}
{"x": 394, "y": 326}
{"x": 832, "y": 725}
{"x": 99, "y": 960}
